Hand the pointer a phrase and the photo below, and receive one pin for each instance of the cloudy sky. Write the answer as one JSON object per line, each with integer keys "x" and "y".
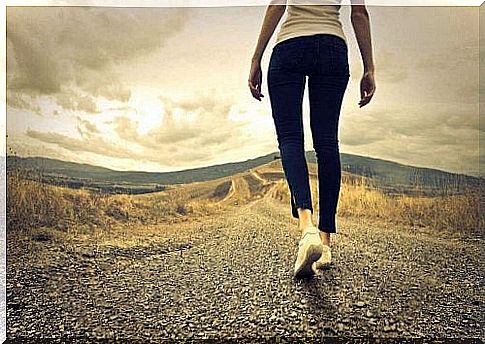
{"x": 165, "y": 89}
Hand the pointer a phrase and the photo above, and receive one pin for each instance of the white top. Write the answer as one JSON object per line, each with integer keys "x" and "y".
{"x": 309, "y": 17}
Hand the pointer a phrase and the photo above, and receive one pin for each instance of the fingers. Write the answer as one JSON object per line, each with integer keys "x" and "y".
{"x": 255, "y": 90}
{"x": 362, "y": 91}
{"x": 367, "y": 90}
{"x": 366, "y": 98}
{"x": 255, "y": 81}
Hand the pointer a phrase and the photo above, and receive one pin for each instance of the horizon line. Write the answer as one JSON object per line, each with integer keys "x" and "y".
{"x": 236, "y": 162}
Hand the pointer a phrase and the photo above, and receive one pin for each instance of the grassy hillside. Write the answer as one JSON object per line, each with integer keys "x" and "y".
{"x": 388, "y": 175}
{"x": 89, "y": 172}
{"x": 31, "y": 204}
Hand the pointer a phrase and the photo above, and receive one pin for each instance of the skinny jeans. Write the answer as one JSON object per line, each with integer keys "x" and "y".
{"x": 323, "y": 59}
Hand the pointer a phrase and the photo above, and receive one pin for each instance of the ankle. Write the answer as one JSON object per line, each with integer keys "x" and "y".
{"x": 304, "y": 227}
{"x": 325, "y": 237}
{"x": 305, "y": 218}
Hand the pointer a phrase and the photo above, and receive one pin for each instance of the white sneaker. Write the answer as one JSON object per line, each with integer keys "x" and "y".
{"x": 326, "y": 258}
{"x": 310, "y": 249}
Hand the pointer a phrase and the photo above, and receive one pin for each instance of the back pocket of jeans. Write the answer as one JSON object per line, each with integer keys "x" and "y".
{"x": 340, "y": 59}
{"x": 287, "y": 54}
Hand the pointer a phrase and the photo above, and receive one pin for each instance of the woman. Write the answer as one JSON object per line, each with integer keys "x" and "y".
{"x": 311, "y": 43}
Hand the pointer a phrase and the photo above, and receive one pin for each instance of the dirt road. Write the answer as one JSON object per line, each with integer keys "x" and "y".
{"x": 231, "y": 277}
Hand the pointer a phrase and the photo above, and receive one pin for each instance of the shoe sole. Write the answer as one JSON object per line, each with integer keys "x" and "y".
{"x": 312, "y": 254}
{"x": 323, "y": 266}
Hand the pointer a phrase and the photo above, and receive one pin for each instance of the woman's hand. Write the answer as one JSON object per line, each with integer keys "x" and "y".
{"x": 367, "y": 88}
{"x": 361, "y": 23}
{"x": 255, "y": 79}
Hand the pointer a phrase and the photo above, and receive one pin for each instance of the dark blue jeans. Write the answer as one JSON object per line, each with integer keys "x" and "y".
{"x": 323, "y": 58}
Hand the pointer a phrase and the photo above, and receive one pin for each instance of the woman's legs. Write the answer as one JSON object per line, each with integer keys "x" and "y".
{"x": 286, "y": 88}
{"x": 324, "y": 59}
{"x": 326, "y": 93}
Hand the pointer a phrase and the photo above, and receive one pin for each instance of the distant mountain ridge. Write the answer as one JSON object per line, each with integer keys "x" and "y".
{"x": 382, "y": 171}
{"x": 84, "y": 171}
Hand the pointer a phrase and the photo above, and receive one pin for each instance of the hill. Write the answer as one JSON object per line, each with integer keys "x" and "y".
{"x": 384, "y": 174}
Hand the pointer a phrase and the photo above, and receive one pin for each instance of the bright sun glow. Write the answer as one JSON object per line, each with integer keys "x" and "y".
{"x": 148, "y": 112}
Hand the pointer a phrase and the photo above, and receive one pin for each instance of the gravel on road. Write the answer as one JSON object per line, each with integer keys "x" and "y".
{"x": 231, "y": 276}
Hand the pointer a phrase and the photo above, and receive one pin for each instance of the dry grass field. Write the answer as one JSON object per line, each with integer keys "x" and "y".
{"x": 32, "y": 205}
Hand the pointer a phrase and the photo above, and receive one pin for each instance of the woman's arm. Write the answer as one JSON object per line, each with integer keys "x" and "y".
{"x": 361, "y": 24}
{"x": 274, "y": 12}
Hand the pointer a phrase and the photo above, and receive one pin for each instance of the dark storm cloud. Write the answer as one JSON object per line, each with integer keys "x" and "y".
{"x": 21, "y": 101}
{"x": 53, "y": 49}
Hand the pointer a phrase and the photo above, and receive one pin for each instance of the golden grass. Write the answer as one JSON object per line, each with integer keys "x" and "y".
{"x": 32, "y": 204}
{"x": 455, "y": 212}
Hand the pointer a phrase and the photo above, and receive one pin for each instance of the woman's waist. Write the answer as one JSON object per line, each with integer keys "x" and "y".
{"x": 331, "y": 36}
